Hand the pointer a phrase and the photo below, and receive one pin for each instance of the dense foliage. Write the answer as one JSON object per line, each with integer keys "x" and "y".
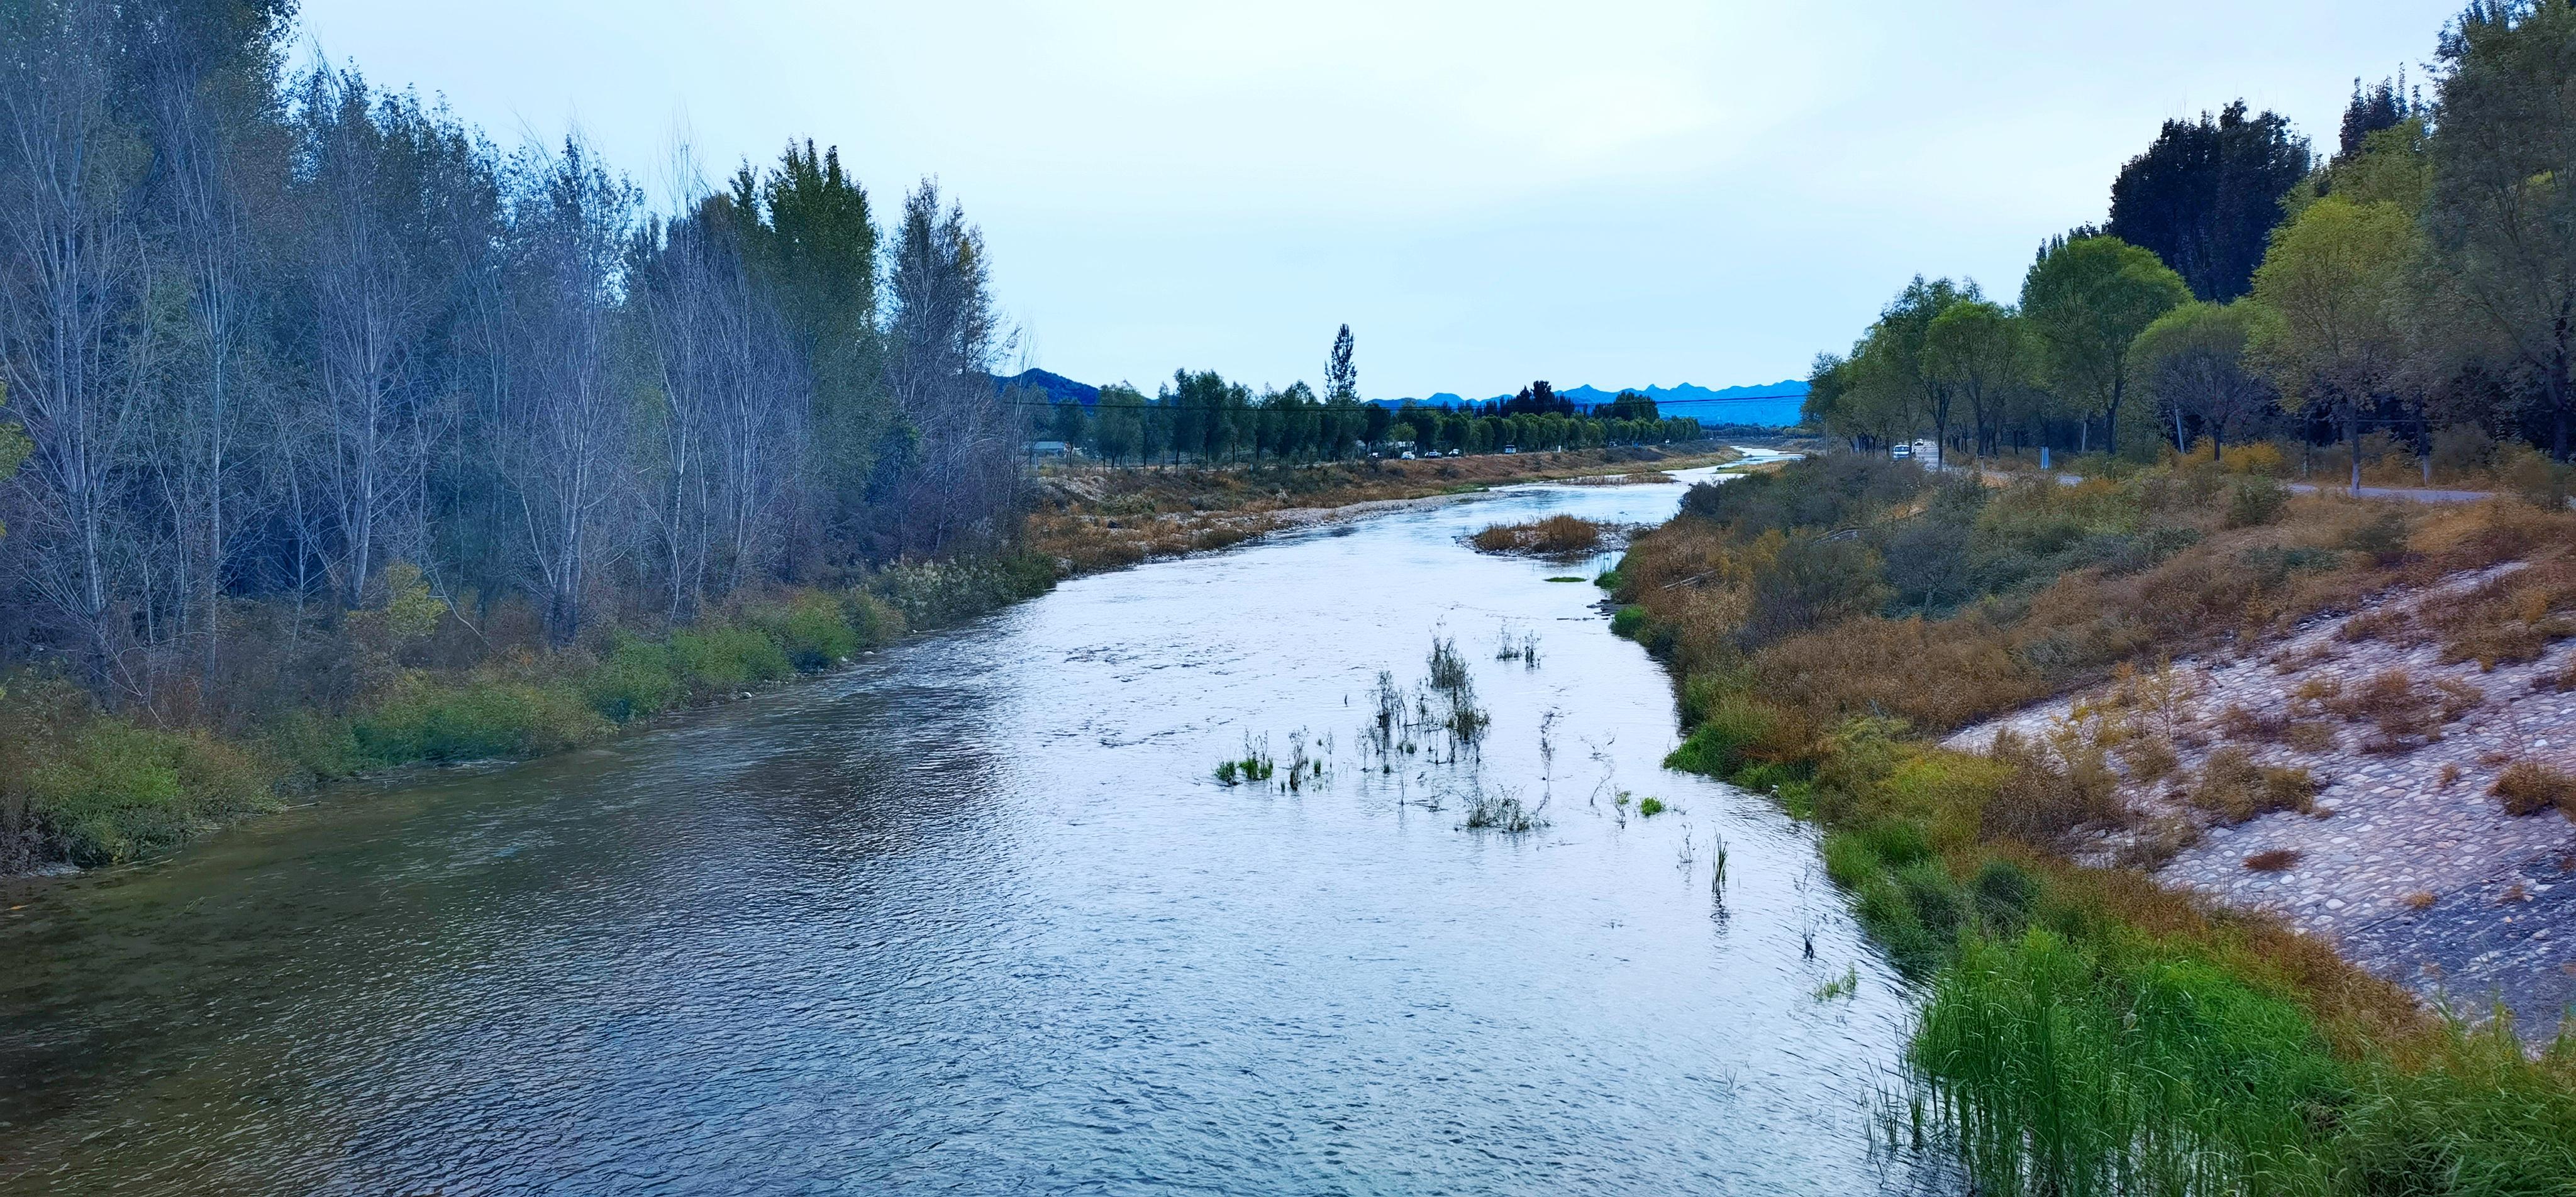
{"x": 2419, "y": 284}
{"x": 271, "y": 333}
{"x": 1199, "y": 416}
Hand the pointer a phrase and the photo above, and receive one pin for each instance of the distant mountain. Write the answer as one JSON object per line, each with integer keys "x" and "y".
{"x": 1056, "y": 387}
{"x": 1774, "y": 404}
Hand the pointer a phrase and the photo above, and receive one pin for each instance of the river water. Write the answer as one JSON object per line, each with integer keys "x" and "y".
{"x": 975, "y": 916}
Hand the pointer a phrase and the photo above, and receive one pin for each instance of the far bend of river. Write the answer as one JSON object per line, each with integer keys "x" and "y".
{"x": 974, "y": 917}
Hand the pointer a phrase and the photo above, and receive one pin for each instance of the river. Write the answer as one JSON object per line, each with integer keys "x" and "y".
{"x": 975, "y": 916}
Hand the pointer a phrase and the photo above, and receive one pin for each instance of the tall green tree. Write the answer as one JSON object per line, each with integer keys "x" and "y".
{"x": 2085, "y": 299}
{"x": 2335, "y": 301}
{"x": 2192, "y": 363}
{"x": 1341, "y": 377}
{"x": 1978, "y": 352}
{"x": 2206, "y": 195}
{"x": 811, "y": 237}
{"x": 2501, "y": 215}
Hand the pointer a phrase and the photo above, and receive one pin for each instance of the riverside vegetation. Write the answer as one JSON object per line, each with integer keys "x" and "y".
{"x": 2085, "y": 1030}
{"x": 334, "y": 436}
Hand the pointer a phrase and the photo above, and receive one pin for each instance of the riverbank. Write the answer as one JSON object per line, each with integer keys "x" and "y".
{"x": 1096, "y": 518}
{"x": 938, "y": 903}
{"x": 2086, "y": 1019}
{"x": 82, "y": 787}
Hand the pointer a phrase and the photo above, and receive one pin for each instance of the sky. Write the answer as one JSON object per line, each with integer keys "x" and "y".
{"x": 1619, "y": 192}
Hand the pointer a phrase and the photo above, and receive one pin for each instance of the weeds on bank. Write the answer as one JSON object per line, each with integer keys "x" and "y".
{"x": 2084, "y": 1030}
{"x": 89, "y": 787}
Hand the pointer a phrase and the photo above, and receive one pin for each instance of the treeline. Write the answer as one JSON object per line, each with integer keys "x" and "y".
{"x": 2417, "y": 285}
{"x": 272, "y": 337}
{"x": 1202, "y": 417}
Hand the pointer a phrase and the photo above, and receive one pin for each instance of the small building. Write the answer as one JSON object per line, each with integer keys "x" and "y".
{"x": 1050, "y": 449}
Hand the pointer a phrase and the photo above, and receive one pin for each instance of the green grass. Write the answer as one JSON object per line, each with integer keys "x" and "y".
{"x": 91, "y": 787}
{"x": 108, "y": 792}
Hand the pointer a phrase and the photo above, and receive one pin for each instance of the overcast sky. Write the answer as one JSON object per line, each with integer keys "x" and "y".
{"x": 1616, "y": 193}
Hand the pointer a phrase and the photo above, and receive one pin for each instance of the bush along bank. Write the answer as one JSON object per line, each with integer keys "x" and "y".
{"x": 2083, "y": 1030}
{"x": 85, "y": 787}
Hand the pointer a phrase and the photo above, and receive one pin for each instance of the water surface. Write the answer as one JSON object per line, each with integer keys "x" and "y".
{"x": 974, "y": 917}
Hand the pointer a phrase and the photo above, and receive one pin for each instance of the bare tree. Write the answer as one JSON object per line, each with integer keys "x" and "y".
{"x": 943, "y": 337}
{"x": 72, "y": 343}
{"x": 562, "y": 438}
{"x": 377, "y": 282}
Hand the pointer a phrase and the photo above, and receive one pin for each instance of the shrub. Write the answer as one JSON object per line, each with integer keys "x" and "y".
{"x": 117, "y": 793}
{"x": 1553, "y": 536}
{"x": 728, "y": 658}
{"x": 2382, "y": 540}
{"x": 478, "y": 719}
{"x": 1729, "y": 725}
{"x": 92, "y": 789}
{"x": 636, "y": 680}
{"x": 2232, "y": 789}
{"x": 2529, "y": 787}
{"x": 1629, "y": 621}
{"x": 2255, "y": 502}
{"x": 2048, "y": 796}
{"x": 812, "y": 629}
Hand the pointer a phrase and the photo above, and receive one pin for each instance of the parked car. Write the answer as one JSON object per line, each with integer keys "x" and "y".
{"x": 1408, "y": 455}
{"x": 1902, "y": 451}
{"x": 1510, "y": 449}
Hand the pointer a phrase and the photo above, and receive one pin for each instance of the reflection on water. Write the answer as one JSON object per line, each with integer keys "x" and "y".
{"x": 976, "y": 917}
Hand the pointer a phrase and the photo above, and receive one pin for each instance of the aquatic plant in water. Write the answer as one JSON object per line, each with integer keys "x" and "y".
{"x": 1254, "y": 765}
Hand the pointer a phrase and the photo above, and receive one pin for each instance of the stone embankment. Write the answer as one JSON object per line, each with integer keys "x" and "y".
{"x": 2393, "y": 845}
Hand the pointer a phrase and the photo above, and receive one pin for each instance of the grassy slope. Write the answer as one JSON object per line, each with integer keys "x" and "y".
{"x": 2084, "y": 1030}
{"x": 87, "y": 787}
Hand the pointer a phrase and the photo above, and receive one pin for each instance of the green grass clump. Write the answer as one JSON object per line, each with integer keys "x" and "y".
{"x": 1728, "y": 726}
{"x": 478, "y": 719}
{"x": 2062, "y": 1071}
{"x": 722, "y": 658}
{"x": 82, "y": 786}
{"x": 1648, "y": 808}
{"x": 1628, "y": 622}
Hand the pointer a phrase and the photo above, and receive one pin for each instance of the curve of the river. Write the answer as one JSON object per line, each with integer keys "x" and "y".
{"x": 974, "y": 916}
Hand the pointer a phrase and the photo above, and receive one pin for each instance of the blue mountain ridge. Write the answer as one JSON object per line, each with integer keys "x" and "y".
{"x": 1774, "y": 404}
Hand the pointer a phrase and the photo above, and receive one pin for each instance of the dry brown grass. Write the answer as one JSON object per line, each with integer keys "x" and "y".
{"x": 2529, "y": 787}
{"x": 2277, "y": 860}
{"x": 2233, "y": 789}
{"x": 2309, "y": 735}
{"x": 1553, "y": 536}
{"x": 2053, "y": 792}
{"x": 2511, "y": 619}
{"x": 2421, "y": 899}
